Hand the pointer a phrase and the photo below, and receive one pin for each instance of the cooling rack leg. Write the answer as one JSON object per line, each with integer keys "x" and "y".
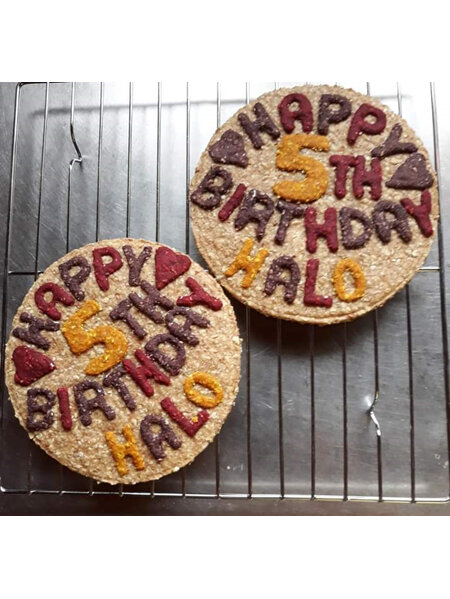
{"x": 6, "y": 267}
{"x": 445, "y": 352}
{"x": 344, "y": 407}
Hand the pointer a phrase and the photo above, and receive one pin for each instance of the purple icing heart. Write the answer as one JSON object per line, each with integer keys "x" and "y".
{"x": 229, "y": 149}
{"x": 412, "y": 174}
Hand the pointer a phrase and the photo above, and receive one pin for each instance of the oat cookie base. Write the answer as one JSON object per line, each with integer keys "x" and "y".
{"x": 387, "y": 268}
{"x": 83, "y": 449}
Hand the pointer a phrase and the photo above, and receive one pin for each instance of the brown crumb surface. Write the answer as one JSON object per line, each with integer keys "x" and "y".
{"x": 84, "y": 449}
{"x": 387, "y": 268}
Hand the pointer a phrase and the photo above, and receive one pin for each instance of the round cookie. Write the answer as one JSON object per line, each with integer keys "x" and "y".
{"x": 124, "y": 360}
{"x": 314, "y": 204}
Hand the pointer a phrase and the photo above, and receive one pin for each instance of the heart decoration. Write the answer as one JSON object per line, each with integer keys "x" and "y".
{"x": 412, "y": 174}
{"x": 30, "y": 365}
{"x": 229, "y": 149}
{"x": 169, "y": 265}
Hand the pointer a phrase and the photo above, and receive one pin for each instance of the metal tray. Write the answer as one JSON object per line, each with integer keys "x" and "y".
{"x": 95, "y": 161}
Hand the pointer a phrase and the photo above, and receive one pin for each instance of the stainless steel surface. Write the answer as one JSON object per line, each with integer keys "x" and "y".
{"x": 301, "y": 427}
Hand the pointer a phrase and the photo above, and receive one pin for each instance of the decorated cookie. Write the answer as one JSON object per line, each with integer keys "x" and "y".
{"x": 314, "y": 204}
{"x": 123, "y": 360}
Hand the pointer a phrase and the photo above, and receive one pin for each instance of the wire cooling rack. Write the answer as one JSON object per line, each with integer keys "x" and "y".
{"x": 356, "y": 411}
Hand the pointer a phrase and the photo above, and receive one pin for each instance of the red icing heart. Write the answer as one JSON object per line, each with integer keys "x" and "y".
{"x": 169, "y": 265}
{"x": 30, "y": 365}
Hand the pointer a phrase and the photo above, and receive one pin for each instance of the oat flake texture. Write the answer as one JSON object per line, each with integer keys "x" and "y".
{"x": 84, "y": 449}
{"x": 250, "y": 159}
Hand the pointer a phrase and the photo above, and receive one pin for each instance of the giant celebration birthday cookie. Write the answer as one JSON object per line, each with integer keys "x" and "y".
{"x": 314, "y": 204}
{"x": 124, "y": 360}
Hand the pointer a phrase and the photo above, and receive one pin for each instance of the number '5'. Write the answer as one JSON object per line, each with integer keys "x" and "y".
{"x": 314, "y": 185}
{"x": 81, "y": 340}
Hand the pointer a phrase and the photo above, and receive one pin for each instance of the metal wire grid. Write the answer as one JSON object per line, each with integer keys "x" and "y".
{"x": 149, "y": 489}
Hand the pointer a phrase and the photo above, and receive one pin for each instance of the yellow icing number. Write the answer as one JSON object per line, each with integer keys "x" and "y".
{"x": 207, "y": 381}
{"x": 314, "y": 185}
{"x": 80, "y": 340}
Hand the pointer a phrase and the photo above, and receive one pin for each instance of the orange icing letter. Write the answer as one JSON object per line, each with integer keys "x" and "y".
{"x": 205, "y": 380}
{"x": 347, "y": 264}
{"x": 244, "y": 262}
{"x": 121, "y": 450}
